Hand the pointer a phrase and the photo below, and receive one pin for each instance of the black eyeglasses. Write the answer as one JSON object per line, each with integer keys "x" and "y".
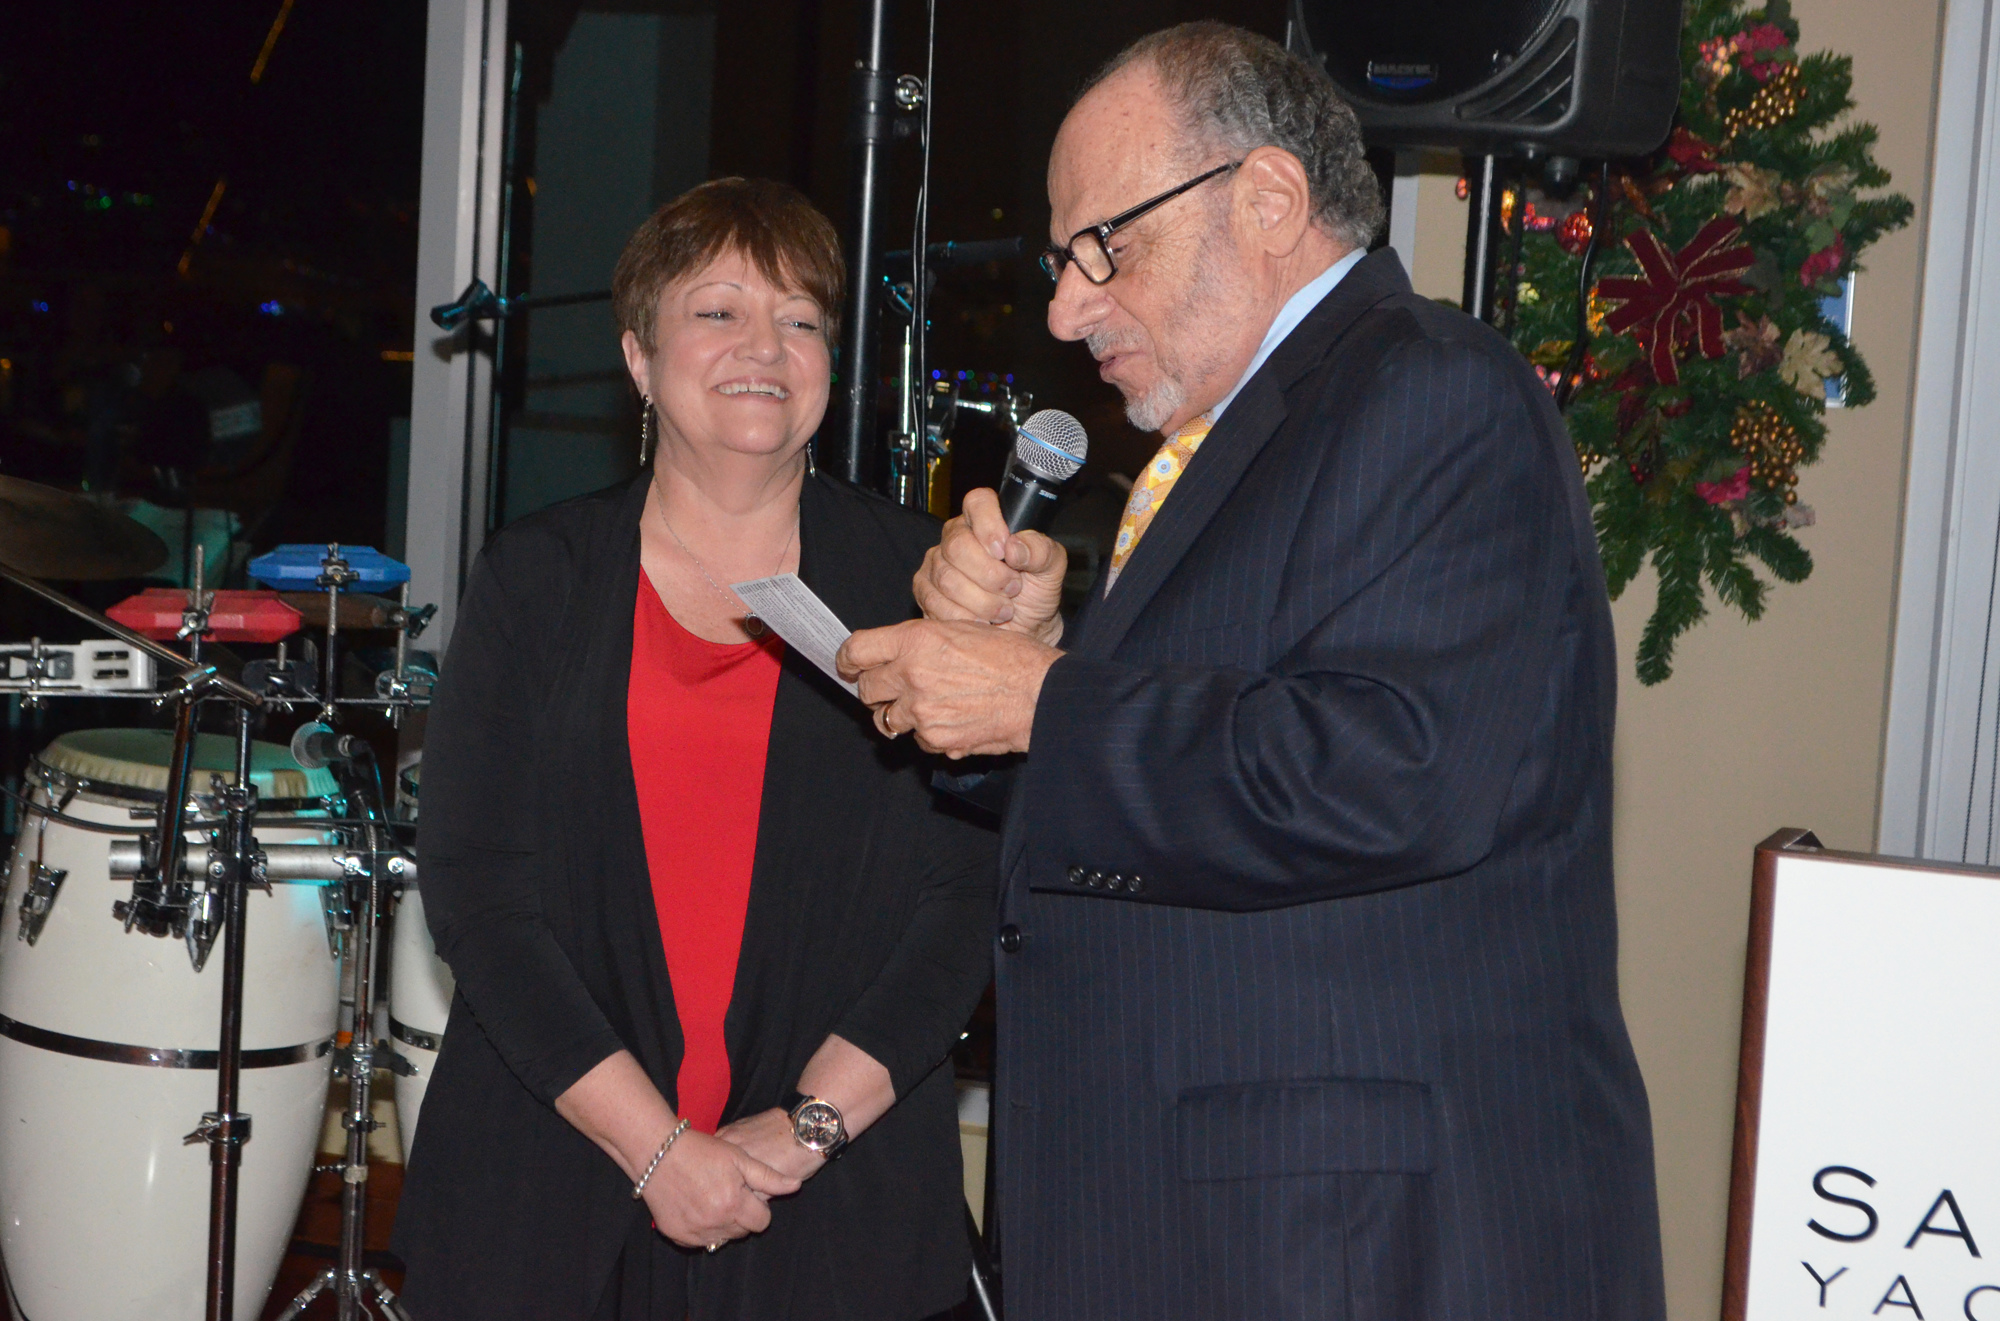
{"x": 1090, "y": 247}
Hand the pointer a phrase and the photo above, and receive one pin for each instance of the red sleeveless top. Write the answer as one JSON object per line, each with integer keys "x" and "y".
{"x": 698, "y": 717}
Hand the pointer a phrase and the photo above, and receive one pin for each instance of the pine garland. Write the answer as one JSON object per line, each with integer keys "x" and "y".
{"x": 1702, "y": 387}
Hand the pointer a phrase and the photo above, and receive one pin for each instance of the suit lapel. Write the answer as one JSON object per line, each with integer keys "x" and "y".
{"x": 1253, "y": 418}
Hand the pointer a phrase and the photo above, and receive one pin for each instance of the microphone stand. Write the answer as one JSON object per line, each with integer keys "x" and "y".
{"x": 353, "y": 1282}
{"x": 350, "y": 1278}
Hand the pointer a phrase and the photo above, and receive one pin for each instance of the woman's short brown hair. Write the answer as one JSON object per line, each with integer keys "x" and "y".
{"x": 781, "y": 233}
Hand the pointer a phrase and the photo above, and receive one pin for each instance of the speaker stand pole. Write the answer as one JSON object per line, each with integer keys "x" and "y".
{"x": 1482, "y": 222}
{"x": 870, "y": 131}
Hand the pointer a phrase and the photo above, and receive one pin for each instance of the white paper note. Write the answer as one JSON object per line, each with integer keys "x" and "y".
{"x": 794, "y": 613}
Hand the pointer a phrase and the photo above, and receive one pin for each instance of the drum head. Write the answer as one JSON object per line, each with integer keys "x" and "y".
{"x": 136, "y": 759}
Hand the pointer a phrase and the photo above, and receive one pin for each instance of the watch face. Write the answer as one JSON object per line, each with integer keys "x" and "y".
{"x": 817, "y": 1125}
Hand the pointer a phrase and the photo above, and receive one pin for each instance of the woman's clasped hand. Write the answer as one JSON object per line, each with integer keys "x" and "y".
{"x": 766, "y": 1139}
{"x": 709, "y": 1191}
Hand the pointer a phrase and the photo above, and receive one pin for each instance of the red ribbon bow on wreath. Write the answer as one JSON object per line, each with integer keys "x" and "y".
{"x": 1670, "y": 307}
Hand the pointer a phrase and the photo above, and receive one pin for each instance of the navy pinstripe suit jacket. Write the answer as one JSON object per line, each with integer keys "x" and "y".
{"x": 1308, "y": 976}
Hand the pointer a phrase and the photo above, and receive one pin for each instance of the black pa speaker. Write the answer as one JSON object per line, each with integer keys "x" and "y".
{"x": 1581, "y": 78}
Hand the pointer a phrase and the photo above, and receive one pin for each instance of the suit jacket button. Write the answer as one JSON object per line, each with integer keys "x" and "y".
{"x": 1010, "y": 938}
{"x": 1116, "y": 880}
{"x": 1132, "y": 884}
{"x": 1095, "y": 880}
{"x": 1076, "y": 876}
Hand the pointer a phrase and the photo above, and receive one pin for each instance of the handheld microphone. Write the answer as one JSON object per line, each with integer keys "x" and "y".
{"x": 1048, "y": 451}
{"x": 314, "y": 746}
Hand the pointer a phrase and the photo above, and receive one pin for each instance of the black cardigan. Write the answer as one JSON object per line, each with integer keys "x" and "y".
{"x": 870, "y": 915}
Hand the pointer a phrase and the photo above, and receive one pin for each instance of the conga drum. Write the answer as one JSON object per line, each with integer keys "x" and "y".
{"x": 108, "y": 1045}
{"x": 420, "y": 985}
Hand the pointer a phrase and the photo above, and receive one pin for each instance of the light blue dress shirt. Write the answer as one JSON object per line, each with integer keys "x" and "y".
{"x": 1294, "y": 311}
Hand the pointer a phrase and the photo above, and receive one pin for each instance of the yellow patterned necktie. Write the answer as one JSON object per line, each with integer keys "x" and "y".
{"x": 1150, "y": 491}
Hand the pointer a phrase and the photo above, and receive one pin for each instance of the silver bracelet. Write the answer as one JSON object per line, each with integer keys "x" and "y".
{"x": 639, "y": 1188}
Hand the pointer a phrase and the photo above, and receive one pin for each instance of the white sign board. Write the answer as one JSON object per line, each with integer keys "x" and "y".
{"x": 1867, "y": 1179}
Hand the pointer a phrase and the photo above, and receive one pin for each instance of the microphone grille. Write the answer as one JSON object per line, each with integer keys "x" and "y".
{"x": 1051, "y": 444}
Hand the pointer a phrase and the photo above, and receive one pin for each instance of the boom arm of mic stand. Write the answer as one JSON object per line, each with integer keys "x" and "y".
{"x": 479, "y": 303}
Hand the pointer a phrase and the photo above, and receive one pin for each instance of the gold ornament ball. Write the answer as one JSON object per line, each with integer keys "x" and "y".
{"x": 1771, "y": 446}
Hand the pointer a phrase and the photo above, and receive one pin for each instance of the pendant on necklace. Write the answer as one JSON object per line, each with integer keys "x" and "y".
{"x": 753, "y": 626}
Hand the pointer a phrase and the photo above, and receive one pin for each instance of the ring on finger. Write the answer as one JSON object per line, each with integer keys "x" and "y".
{"x": 713, "y": 1246}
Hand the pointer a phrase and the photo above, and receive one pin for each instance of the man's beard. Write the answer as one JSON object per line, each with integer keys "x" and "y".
{"x": 1150, "y": 411}
{"x": 1199, "y": 306}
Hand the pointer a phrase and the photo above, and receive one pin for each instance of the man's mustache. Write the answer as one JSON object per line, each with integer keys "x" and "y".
{"x": 1107, "y": 342}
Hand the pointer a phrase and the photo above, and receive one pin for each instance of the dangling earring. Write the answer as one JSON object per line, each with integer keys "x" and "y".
{"x": 649, "y": 422}
{"x": 812, "y": 468}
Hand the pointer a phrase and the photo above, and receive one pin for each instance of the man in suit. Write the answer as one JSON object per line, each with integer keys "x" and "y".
{"x": 1307, "y": 951}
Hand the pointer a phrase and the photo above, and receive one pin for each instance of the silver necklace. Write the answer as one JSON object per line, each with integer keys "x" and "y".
{"x": 751, "y": 624}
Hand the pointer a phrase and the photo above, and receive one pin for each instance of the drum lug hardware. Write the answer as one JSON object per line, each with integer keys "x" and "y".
{"x": 339, "y": 920}
{"x": 203, "y": 924}
{"x": 39, "y": 898}
{"x": 231, "y": 1129}
{"x": 43, "y": 881}
{"x": 397, "y": 1063}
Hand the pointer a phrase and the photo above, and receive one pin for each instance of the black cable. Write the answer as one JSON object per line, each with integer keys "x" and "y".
{"x": 1571, "y": 379}
{"x": 381, "y": 793}
{"x": 920, "y": 300}
{"x": 95, "y": 827}
{"x": 405, "y": 827}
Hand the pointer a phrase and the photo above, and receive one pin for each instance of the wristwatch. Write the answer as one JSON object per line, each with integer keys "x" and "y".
{"x": 817, "y": 1125}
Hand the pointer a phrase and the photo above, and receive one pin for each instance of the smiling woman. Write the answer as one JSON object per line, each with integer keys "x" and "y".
{"x": 744, "y": 937}
{"x": 726, "y": 301}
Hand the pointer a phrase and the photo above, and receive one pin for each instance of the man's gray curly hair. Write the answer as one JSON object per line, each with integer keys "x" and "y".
{"x": 1236, "y": 91}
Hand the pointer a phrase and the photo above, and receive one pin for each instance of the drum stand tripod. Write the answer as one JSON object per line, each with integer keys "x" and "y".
{"x": 352, "y": 1282}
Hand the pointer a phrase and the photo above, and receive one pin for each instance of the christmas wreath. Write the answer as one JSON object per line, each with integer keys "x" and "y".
{"x": 1678, "y": 308}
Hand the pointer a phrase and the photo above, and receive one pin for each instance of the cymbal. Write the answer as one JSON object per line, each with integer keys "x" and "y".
{"x": 46, "y": 533}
